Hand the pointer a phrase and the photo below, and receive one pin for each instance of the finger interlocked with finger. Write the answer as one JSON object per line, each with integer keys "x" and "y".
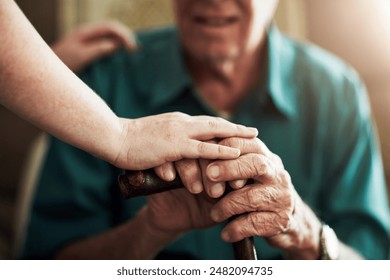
{"x": 263, "y": 202}
{"x": 268, "y": 206}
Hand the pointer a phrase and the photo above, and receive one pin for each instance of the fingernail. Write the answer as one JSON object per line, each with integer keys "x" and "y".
{"x": 215, "y": 215}
{"x": 255, "y": 130}
{"x": 235, "y": 152}
{"x": 214, "y": 172}
{"x": 197, "y": 187}
{"x": 169, "y": 175}
{"x": 239, "y": 184}
{"x": 225, "y": 236}
{"x": 217, "y": 190}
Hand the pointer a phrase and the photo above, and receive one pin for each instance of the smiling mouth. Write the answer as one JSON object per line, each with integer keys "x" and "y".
{"x": 216, "y": 21}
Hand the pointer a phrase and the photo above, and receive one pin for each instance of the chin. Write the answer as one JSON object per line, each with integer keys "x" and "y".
{"x": 219, "y": 54}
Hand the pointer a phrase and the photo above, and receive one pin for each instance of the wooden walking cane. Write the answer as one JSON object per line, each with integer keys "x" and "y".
{"x": 142, "y": 183}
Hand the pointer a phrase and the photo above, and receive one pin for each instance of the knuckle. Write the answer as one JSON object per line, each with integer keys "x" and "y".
{"x": 284, "y": 178}
{"x": 229, "y": 208}
{"x": 278, "y": 161}
{"x": 187, "y": 168}
{"x": 219, "y": 119}
{"x": 259, "y": 143}
{"x": 242, "y": 170}
{"x": 221, "y": 149}
{"x": 284, "y": 221}
{"x": 236, "y": 202}
{"x": 167, "y": 115}
{"x": 261, "y": 146}
{"x": 185, "y": 165}
{"x": 171, "y": 157}
{"x": 271, "y": 196}
{"x": 240, "y": 143}
{"x": 250, "y": 145}
{"x": 173, "y": 115}
{"x": 259, "y": 164}
{"x": 258, "y": 223}
{"x": 266, "y": 224}
{"x": 253, "y": 198}
{"x": 178, "y": 114}
{"x": 202, "y": 147}
{"x": 289, "y": 203}
{"x": 254, "y": 220}
{"x": 229, "y": 142}
{"x": 237, "y": 143}
{"x": 236, "y": 229}
{"x": 244, "y": 167}
{"x": 213, "y": 123}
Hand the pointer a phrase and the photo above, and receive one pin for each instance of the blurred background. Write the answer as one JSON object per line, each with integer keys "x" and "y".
{"x": 356, "y": 30}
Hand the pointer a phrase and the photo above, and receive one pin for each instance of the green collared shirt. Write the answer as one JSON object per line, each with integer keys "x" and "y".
{"x": 310, "y": 109}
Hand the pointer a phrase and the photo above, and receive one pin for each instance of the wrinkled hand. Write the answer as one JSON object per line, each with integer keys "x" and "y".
{"x": 178, "y": 211}
{"x": 90, "y": 42}
{"x": 269, "y": 207}
{"x": 155, "y": 140}
{"x": 192, "y": 172}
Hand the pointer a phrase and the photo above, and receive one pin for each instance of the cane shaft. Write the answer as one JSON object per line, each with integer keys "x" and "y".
{"x": 245, "y": 249}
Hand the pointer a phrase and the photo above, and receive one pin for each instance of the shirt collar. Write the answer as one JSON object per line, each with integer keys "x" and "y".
{"x": 279, "y": 72}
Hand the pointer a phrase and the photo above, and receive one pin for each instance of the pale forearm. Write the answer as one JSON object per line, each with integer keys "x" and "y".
{"x": 35, "y": 84}
{"x": 134, "y": 240}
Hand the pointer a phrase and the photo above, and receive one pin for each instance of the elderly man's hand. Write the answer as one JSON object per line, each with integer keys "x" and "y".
{"x": 269, "y": 206}
{"x": 177, "y": 211}
{"x": 89, "y": 42}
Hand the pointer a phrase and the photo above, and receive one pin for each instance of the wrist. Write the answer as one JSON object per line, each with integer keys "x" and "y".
{"x": 120, "y": 141}
{"x": 153, "y": 239}
{"x": 307, "y": 246}
{"x": 156, "y": 231}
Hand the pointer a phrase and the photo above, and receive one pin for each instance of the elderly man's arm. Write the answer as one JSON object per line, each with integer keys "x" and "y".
{"x": 164, "y": 219}
{"x": 136, "y": 239}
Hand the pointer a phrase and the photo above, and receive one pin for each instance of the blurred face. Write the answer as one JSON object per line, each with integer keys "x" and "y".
{"x": 222, "y": 29}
